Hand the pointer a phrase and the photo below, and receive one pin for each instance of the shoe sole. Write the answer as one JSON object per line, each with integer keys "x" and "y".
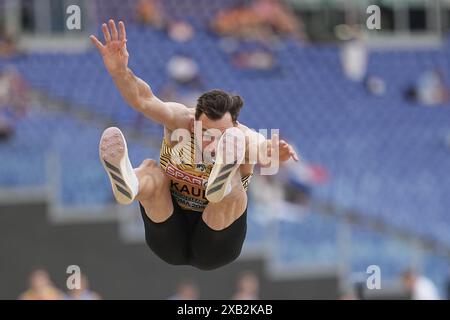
{"x": 113, "y": 153}
{"x": 222, "y": 172}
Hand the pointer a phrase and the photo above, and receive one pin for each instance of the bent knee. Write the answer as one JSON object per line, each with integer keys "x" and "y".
{"x": 148, "y": 163}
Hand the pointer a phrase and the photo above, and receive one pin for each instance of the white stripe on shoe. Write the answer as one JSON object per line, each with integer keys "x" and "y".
{"x": 113, "y": 153}
{"x": 226, "y": 165}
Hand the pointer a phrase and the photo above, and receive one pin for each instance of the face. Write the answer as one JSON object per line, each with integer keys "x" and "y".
{"x": 220, "y": 126}
{"x": 409, "y": 280}
{"x": 188, "y": 292}
{"x": 39, "y": 279}
{"x": 249, "y": 283}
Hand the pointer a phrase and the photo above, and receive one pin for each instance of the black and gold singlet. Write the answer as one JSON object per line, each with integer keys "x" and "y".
{"x": 188, "y": 180}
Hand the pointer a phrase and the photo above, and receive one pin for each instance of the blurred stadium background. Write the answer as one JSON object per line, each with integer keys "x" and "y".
{"x": 368, "y": 110}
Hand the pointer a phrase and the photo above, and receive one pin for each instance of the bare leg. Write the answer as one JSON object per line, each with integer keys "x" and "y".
{"x": 154, "y": 193}
{"x": 219, "y": 216}
{"x": 224, "y": 209}
{"x": 149, "y": 185}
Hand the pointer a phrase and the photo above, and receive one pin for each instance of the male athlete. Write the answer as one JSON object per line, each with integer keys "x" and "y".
{"x": 194, "y": 211}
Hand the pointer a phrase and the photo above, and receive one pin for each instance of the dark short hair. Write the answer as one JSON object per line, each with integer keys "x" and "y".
{"x": 216, "y": 103}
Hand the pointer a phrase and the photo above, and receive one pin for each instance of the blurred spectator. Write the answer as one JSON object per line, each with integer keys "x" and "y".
{"x": 290, "y": 191}
{"x": 184, "y": 70}
{"x": 354, "y": 290}
{"x": 84, "y": 293}
{"x": 181, "y": 31}
{"x": 8, "y": 46}
{"x": 419, "y": 287}
{"x": 262, "y": 19}
{"x": 303, "y": 175}
{"x": 269, "y": 208}
{"x": 14, "y": 93}
{"x": 185, "y": 82}
{"x": 348, "y": 295}
{"x": 249, "y": 55}
{"x": 27, "y": 16}
{"x": 150, "y": 12}
{"x": 14, "y": 100}
{"x": 278, "y": 17}
{"x": 354, "y": 55}
{"x": 254, "y": 60}
{"x": 375, "y": 85}
{"x": 41, "y": 287}
{"x": 432, "y": 89}
{"x": 264, "y": 185}
{"x": 238, "y": 22}
{"x": 186, "y": 290}
{"x": 247, "y": 287}
{"x": 410, "y": 94}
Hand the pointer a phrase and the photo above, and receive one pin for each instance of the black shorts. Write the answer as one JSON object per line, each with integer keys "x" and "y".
{"x": 185, "y": 239}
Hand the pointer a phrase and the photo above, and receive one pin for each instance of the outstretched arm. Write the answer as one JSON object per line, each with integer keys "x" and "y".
{"x": 134, "y": 90}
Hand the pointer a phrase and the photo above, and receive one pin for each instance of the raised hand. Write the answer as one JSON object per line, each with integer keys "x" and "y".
{"x": 114, "y": 51}
{"x": 285, "y": 150}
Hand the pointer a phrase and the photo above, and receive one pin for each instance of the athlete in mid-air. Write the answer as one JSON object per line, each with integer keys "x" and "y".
{"x": 194, "y": 211}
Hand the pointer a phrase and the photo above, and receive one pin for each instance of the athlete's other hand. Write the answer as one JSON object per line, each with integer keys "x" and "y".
{"x": 114, "y": 51}
{"x": 285, "y": 150}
